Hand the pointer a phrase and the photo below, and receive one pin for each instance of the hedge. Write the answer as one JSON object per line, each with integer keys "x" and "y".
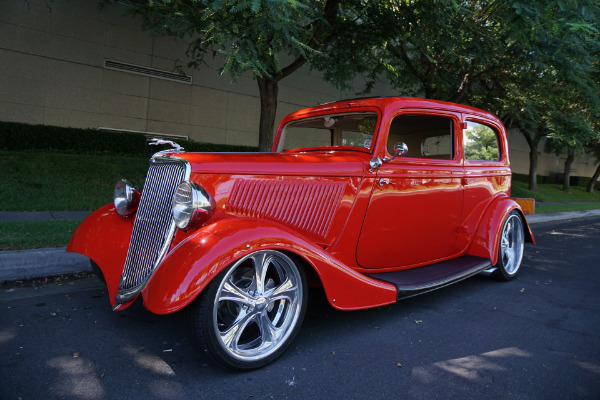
{"x": 574, "y": 180}
{"x": 540, "y": 178}
{"x": 25, "y": 137}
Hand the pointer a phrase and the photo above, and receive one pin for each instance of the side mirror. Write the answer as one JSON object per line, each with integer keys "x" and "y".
{"x": 400, "y": 150}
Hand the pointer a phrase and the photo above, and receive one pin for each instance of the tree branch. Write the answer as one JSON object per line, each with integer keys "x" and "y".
{"x": 293, "y": 66}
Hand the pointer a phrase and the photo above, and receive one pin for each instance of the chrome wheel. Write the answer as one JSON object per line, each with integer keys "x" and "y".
{"x": 253, "y": 311}
{"x": 512, "y": 244}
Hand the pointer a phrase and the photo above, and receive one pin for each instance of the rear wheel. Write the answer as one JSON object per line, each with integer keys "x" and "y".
{"x": 510, "y": 252}
{"x": 249, "y": 314}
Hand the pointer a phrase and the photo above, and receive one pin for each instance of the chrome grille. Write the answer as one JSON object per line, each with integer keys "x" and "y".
{"x": 153, "y": 228}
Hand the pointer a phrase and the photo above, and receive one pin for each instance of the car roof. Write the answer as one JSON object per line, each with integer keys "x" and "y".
{"x": 397, "y": 103}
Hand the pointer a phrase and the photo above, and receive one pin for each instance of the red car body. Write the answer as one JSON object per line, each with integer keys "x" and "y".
{"x": 353, "y": 216}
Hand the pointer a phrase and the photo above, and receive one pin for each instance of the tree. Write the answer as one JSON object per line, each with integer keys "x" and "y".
{"x": 513, "y": 58}
{"x": 571, "y": 132}
{"x": 596, "y": 175}
{"x": 556, "y": 76}
{"x": 593, "y": 147}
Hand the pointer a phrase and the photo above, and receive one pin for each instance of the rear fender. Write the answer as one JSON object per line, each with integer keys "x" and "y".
{"x": 487, "y": 238}
{"x": 194, "y": 262}
{"x": 104, "y": 238}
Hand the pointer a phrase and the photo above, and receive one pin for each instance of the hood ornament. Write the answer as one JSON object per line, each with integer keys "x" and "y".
{"x": 158, "y": 142}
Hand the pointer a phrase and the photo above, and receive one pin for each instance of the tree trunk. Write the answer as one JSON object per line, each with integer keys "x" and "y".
{"x": 269, "y": 90}
{"x": 533, "y": 143}
{"x": 533, "y": 161}
{"x": 567, "y": 172}
{"x": 593, "y": 181}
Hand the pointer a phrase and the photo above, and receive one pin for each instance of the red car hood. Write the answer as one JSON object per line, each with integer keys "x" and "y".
{"x": 314, "y": 163}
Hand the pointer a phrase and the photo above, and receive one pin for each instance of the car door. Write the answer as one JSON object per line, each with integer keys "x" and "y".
{"x": 415, "y": 207}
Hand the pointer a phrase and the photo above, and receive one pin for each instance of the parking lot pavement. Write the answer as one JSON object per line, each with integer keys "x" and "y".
{"x": 536, "y": 337}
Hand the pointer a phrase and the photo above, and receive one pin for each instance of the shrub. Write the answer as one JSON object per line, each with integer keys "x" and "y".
{"x": 25, "y": 137}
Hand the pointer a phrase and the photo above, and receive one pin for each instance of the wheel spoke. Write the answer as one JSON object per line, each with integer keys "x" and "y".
{"x": 269, "y": 333}
{"x": 261, "y": 264}
{"x": 232, "y": 335}
{"x": 505, "y": 240}
{"x": 286, "y": 291}
{"x": 233, "y": 293}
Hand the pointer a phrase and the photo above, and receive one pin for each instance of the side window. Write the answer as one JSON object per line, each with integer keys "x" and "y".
{"x": 481, "y": 142}
{"x": 427, "y": 136}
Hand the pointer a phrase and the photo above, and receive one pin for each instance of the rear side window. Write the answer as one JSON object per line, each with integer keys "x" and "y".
{"x": 481, "y": 142}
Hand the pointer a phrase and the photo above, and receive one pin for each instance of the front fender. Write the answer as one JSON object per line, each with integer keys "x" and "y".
{"x": 104, "y": 237}
{"x": 194, "y": 262}
{"x": 487, "y": 238}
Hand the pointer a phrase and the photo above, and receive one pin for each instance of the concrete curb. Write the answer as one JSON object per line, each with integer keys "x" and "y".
{"x": 561, "y": 216}
{"x": 40, "y": 263}
{"x": 36, "y": 263}
{"x": 30, "y": 216}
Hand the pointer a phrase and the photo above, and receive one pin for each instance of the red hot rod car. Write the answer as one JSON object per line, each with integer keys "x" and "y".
{"x": 374, "y": 200}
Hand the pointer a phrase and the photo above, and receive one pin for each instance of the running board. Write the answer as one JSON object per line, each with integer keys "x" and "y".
{"x": 414, "y": 281}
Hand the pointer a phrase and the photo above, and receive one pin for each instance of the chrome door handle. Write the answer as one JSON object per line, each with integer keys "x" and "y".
{"x": 383, "y": 181}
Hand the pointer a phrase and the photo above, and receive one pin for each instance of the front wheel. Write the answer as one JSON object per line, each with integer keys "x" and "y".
{"x": 249, "y": 314}
{"x": 510, "y": 252}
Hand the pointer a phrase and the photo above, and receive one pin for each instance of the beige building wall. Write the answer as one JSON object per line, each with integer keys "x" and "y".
{"x": 548, "y": 163}
{"x": 52, "y": 72}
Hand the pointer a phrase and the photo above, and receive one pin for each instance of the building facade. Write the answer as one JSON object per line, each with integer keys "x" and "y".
{"x": 70, "y": 63}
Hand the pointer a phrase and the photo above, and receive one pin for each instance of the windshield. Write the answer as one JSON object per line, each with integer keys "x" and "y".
{"x": 333, "y": 130}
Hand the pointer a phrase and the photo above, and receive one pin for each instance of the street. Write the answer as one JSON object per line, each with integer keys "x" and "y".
{"x": 537, "y": 337}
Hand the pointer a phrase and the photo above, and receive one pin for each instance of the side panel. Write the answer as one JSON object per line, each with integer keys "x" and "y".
{"x": 104, "y": 237}
{"x": 194, "y": 262}
{"x": 487, "y": 239}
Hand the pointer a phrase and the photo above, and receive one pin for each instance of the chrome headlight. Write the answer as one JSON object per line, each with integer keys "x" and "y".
{"x": 192, "y": 205}
{"x": 126, "y": 198}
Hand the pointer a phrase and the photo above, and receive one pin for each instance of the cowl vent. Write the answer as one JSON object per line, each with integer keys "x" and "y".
{"x": 146, "y": 71}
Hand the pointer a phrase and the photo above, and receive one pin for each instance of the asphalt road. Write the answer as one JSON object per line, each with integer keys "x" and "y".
{"x": 537, "y": 337}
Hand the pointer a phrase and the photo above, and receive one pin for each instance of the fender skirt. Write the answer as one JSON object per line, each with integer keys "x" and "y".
{"x": 194, "y": 262}
{"x": 487, "y": 239}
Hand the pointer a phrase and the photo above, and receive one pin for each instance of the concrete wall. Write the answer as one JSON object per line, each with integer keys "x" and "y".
{"x": 52, "y": 72}
{"x": 548, "y": 163}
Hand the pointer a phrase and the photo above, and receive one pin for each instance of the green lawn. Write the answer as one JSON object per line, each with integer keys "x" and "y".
{"x": 30, "y": 235}
{"x": 553, "y": 193}
{"x": 33, "y": 181}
